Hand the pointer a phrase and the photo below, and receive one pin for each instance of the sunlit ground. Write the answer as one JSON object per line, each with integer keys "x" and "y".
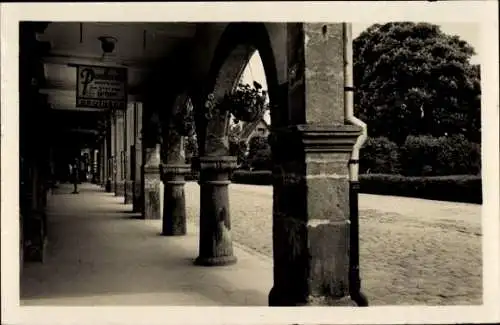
{"x": 428, "y": 253}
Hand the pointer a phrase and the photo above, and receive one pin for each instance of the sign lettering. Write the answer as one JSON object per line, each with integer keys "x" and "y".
{"x": 101, "y": 87}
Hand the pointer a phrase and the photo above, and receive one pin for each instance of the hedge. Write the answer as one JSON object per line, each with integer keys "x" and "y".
{"x": 439, "y": 156}
{"x": 454, "y": 188}
{"x": 421, "y": 155}
{"x": 259, "y": 177}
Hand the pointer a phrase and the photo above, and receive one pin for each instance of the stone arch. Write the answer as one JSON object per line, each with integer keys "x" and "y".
{"x": 232, "y": 53}
{"x": 237, "y": 44}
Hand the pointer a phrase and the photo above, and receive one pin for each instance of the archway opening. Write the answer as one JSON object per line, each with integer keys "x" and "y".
{"x": 243, "y": 59}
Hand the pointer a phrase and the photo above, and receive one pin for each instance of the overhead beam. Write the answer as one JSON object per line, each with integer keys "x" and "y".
{"x": 76, "y": 109}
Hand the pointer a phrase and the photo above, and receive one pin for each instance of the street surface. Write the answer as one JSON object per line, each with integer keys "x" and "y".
{"x": 412, "y": 251}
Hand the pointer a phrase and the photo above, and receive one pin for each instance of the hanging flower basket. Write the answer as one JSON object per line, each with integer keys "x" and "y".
{"x": 246, "y": 103}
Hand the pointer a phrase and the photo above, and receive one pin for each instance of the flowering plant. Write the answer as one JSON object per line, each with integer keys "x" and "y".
{"x": 245, "y": 103}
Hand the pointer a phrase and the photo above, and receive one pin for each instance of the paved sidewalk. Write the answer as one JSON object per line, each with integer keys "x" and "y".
{"x": 99, "y": 253}
{"x": 415, "y": 252}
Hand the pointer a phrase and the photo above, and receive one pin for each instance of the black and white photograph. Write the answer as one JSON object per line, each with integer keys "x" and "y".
{"x": 164, "y": 156}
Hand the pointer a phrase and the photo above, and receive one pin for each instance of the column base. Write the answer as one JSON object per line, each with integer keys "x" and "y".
{"x": 174, "y": 201}
{"x": 152, "y": 204}
{"x": 285, "y": 298}
{"x": 137, "y": 200}
{"x": 107, "y": 186}
{"x": 120, "y": 188}
{"x": 216, "y": 246}
{"x": 129, "y": 194}
{"x": 34, "y": 237}
{"x": 215, "y": 261}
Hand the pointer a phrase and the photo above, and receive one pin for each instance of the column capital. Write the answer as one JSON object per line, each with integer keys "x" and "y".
{"x": 175, "y": 168}
{"x": 174, "y": 173}
{"x": 315, "y": 138}
{"x": 221, "y": 163}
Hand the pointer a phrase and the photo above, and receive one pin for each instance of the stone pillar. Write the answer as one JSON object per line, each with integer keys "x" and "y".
{"x": 95, "y": 165}
{"x": 138, "y": 202}
{"x": 174, "y": 199}
{"x": 173, "y": 177}
{"x": 129, "y": 190}
{"x": 101, "y": 164}
{"x": 108, "y": 161}
{"x": 152, "y": 183}
{"x": 311, "y": 180}
{"x": 104, "y": 161}
{"x": 216, "y": 246}
{"x": 113, "y": 154}
{"x": 35, "y": 227}
{"x": 119, "y": 181}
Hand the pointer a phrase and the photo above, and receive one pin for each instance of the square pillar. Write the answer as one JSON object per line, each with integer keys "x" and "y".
{"x": 101, "y": 154}
{"x": 95, "y": 165}
{"x": 120, "y": 153}
{"x": 137, "y": 199}
{"x": 129, "y": 153}
{"x": 108, "y": 160}
{"x": 113, "y": 154}
{"x": 152, "y": 183}
{"x": 311, "y": 220}
{"x": 102, "y": 162}
{"x": 34, "y": 218}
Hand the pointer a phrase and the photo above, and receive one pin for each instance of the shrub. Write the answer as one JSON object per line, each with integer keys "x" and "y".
{"x": 431, "y": 156}
{"x": 457, "y": 155}
{"x": 379, "y": 155}
{"x": 259, "y": 155}
{"x": 419, "y": 155}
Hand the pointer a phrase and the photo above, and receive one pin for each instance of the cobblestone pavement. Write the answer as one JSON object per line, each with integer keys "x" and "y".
{"x": 413, "y": 252}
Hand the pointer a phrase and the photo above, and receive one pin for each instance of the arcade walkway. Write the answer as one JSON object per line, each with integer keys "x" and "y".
{"x": 101, "y": 254}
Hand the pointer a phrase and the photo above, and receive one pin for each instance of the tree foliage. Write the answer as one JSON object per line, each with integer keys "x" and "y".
{"x": 411, "y": 78}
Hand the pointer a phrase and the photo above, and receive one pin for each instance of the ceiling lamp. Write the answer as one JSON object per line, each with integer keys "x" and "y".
{"x": 107, "y": 44}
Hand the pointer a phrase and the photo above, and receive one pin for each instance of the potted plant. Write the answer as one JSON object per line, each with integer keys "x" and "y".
{"x": 245, "y": 103}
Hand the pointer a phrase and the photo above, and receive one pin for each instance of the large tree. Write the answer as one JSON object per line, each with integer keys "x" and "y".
{"x": 411, "y": 78}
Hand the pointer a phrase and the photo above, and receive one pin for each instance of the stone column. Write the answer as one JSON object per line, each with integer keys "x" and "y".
{"x": 95, "y": 165}
{"x": 174, "y": 199}
{"x": 119, "y": 182}
{"x": 311, "y": 180}
{"x": 102, "y": 161}
{"x": 113, "y": 156}
{"x": 125, "y": 151}
{"x": 173, "y": 177}
{"x": 152, "y": 183}
{"x": 108, "y": 170}
{"x": 216, "y": 246}
{"x": 138, "y": 202}
{"x": 35, "y": 228}
{"x": 129, "y": 190}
